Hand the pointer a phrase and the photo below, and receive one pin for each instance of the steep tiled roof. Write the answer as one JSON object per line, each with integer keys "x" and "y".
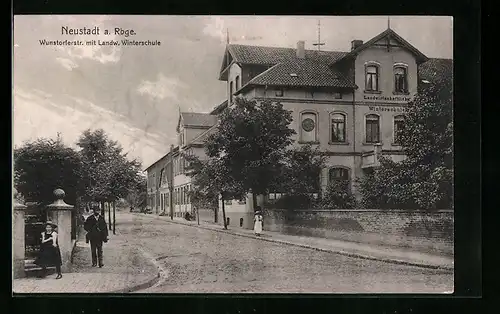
{"x": 436, "y": 69}
{"x": 198, "y": 119}
{"x": 302, "y": 72}
{"x": 274, "y": 55}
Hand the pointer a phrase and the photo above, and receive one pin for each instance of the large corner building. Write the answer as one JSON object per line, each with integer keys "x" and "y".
{"x": 350, "y": 104}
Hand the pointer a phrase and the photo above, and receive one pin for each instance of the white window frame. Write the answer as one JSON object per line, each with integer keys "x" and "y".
{"x": 344, "y": 114}
{"x": 379, "y": 68}
{"x": 379, "y": 128}
{"x": 405, "y": 67}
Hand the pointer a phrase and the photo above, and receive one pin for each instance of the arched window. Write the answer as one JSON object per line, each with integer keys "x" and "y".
{"x": 238, "y": 83}
{"x": 372, "y": 75}
{"x": 338, "y": 173}
{"x": 372, "y": 128}
{"x": 338, "y": 128}
{"x": 400, "y": 79}
{"x": 230, "y": 92}
{"x": 308, "y": 126}
{"x": 399, "y": 123}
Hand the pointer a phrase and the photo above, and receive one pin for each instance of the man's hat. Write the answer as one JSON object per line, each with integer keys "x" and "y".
{"x": 50, "y": 223}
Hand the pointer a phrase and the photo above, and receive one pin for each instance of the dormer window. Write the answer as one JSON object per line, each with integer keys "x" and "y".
{"x": 372, "y": 75}
{"x": 400, "y": 79}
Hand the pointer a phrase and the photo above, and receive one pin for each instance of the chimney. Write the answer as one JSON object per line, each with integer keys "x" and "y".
{"x": 355, "y": 44}
{"x": 301, "y": 52}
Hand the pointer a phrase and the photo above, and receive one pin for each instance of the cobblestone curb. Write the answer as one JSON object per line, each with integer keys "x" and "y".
{"x": 138, "y": 287}
{"x": 340, "y": 252}
{"x": 144, "y": 285}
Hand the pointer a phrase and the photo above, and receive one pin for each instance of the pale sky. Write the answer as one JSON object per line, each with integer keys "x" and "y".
{"x": 134, "y": 93}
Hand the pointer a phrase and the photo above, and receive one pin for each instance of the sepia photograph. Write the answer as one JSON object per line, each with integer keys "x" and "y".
{"x": 232, "y": 154}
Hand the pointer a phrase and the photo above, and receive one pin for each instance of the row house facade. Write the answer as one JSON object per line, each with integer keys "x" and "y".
{"x": 168, "y": 184}
{"x": 349, "y": 104}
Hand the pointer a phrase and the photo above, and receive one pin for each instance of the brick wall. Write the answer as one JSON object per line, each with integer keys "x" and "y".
{"x": 423, "y": 231}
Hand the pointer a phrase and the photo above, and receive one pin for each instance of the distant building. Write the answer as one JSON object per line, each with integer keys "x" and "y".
{"x": 349, "y": 104}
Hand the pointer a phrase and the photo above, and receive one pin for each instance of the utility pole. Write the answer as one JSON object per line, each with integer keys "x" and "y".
{"x": 319, "y": 43}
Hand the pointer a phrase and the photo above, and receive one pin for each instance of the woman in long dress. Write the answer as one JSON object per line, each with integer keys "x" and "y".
{"x": 258, "y": 219}
{"x": 49, "y": 254}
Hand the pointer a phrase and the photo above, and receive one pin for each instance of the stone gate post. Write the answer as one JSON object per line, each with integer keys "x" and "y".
{"x": 18, "y": 238}
{"x": 60, "y": 214}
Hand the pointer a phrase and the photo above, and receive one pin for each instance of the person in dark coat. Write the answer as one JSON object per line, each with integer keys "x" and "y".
{"x": 50, "y": 254}
{"x": 97, "y": 233}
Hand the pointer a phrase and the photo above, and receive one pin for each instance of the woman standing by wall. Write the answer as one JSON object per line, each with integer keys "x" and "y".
{"x": 258, "y": 220}
{"x": 49, "y": 254}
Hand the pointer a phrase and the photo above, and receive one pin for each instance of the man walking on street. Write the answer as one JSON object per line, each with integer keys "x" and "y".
{"x": 97, "y": 233}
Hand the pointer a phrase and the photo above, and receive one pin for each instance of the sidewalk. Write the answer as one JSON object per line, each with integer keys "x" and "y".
{"x": 358, "y": 250}
{"x": 125, "y": 269}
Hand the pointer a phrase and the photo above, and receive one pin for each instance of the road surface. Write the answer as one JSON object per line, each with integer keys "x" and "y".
{"x": 204, "y": 261}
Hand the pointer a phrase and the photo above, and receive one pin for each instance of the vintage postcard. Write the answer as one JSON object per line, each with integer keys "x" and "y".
{"x": 233, "y": 154}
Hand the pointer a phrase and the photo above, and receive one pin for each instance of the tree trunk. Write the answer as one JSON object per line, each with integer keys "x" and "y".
{"x": 114, "y": 217}
{"x": 109, "y": 216}
{"x": 198, "y": 214}
{"x": 216, "y": 211}
{"x": 103, "y": 211}
{"x": 224, "y": 211}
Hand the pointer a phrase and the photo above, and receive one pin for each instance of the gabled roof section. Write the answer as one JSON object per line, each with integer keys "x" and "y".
{"x": 435, "y": 69}
{"x": 260, "y": 55}
{"x": 225, "y": 64}
{"x": 174, "y": 150}
{"x": 301, "y": 73}
{"x": 393, "y": 35}
{"x": 200, "y": 139}
{"x": 195, "y": 119}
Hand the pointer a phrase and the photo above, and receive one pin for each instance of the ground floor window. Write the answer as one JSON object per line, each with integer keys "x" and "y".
{"x": 274, "y": 196}
{"x": 337, "y": 173}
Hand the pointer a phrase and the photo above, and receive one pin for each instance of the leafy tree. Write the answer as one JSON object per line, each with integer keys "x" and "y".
{"x": 43, "y": 165}
{"x": 250, "y": 145}
{"x": 338, "y": 195}
{"x": 108, "y": 175}
{"x": 137, "y": 194}
{"x": 299, "y": 180}
{"x": 300, "y": 172}
{"x": 424, "y": 179}
{"x": 211, "y": 180}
